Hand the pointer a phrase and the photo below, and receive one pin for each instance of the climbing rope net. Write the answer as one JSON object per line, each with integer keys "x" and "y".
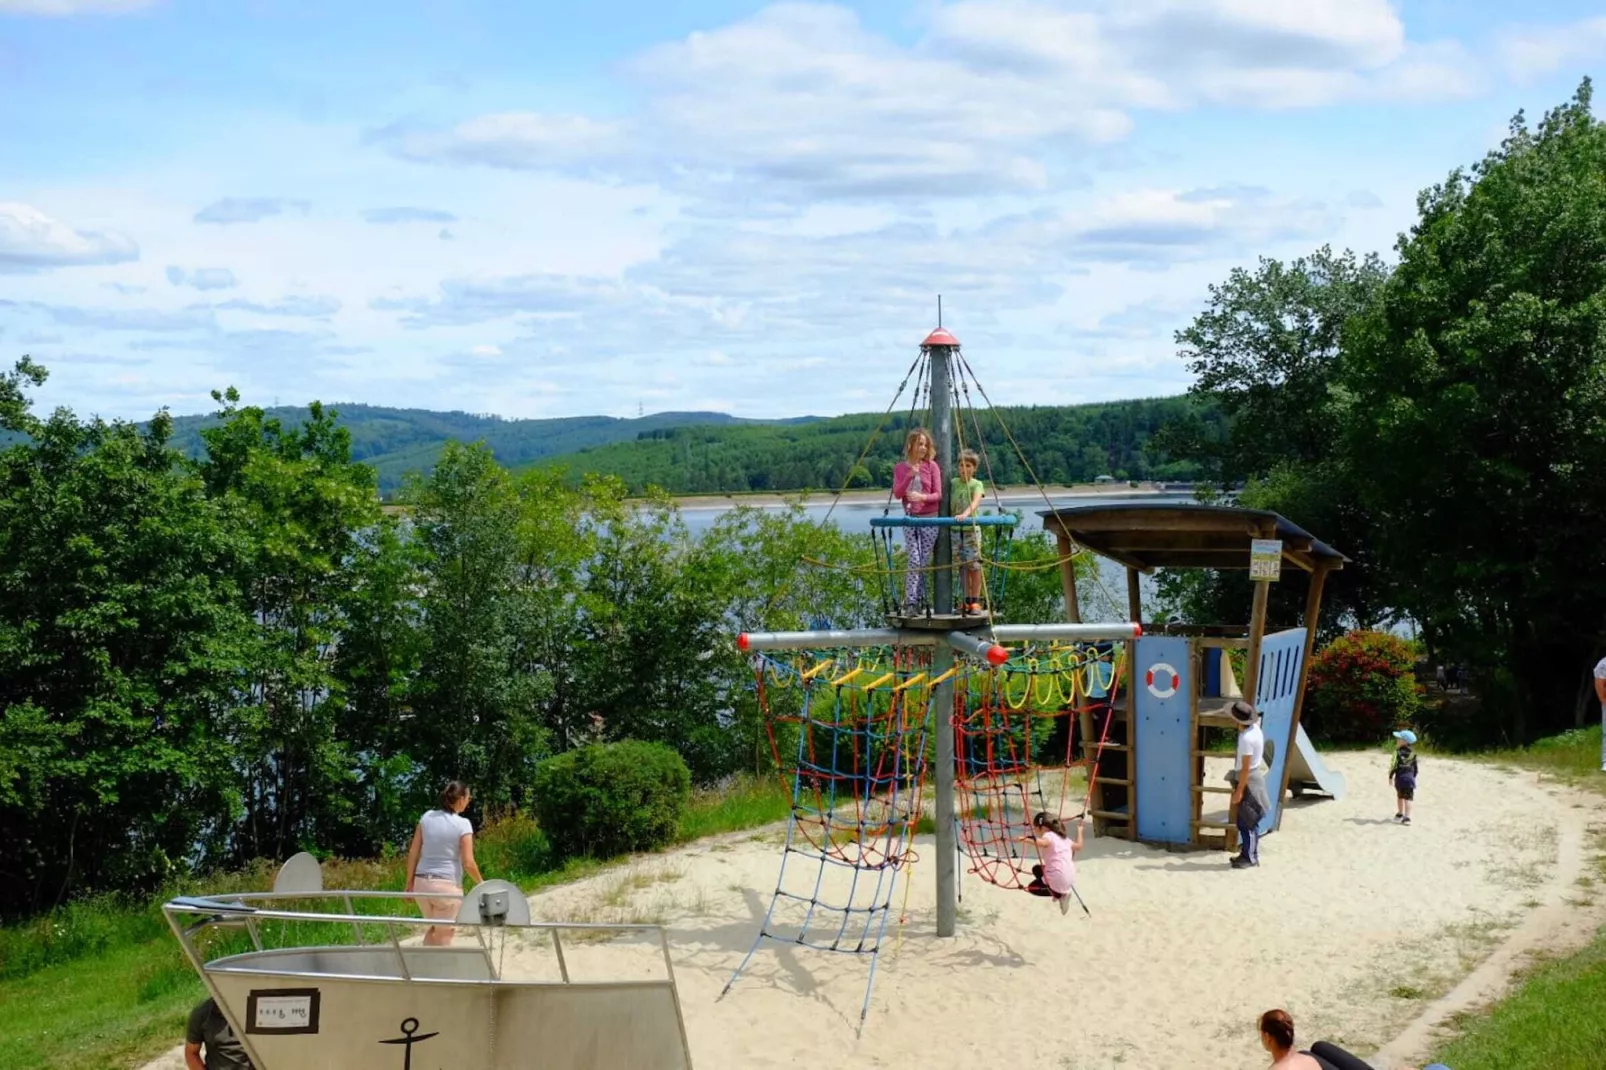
{"x": 851, "y": 729}
{"x": 1015, "y": 744}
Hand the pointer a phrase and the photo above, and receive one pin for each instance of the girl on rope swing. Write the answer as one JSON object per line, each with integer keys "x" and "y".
{"x": 1055, "y": 876}
{"x": 917, "y": 482}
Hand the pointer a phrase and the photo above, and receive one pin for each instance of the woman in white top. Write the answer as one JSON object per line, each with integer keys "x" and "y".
{"x": 442, "y": 849}
{"x": 1249, "y": 795}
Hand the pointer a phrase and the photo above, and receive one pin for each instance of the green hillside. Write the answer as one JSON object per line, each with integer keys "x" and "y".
{"x": 1062, "y": 443}
{"x": 398, "y": 441}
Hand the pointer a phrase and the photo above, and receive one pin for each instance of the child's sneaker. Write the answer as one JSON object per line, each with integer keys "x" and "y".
{"x": 1398, "y": 818}
{"x": 1405, "y": 821}
{"x": 1065, "y": 904}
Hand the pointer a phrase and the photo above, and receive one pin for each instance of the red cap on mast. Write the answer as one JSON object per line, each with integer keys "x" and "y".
{"x": 940, "y": 337}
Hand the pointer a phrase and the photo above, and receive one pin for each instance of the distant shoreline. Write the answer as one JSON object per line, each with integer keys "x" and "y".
{"x": 1022, "y": 493}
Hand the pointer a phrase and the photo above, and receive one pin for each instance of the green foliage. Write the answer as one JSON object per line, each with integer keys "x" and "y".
{"x": 1440, "y": 424}
{"x": 607, "y": 799}
{"x": 1361, "y": 687}
{"x": 1065, "y": 444}
{"x": 120, "y": 629}
{"x": 1484, "y": 363}
{"x": 400, "y": 442}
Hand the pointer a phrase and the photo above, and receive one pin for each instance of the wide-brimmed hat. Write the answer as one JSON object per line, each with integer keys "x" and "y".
{"x": 1243, "y": 712}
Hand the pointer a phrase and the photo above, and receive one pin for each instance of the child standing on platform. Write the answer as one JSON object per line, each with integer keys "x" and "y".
{"x": 965, "y": 498}
{"x": 917, "y": 482}
{"x": 1402, "y": 774}
{"x": 1056, "y": 875}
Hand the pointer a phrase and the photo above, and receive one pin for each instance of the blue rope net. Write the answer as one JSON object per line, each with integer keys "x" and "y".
{"x": 853, "y": 731}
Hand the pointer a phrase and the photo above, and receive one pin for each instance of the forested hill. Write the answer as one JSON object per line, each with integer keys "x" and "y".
{"x": 1063, "y": 444}
{"x": 398, "y": 441}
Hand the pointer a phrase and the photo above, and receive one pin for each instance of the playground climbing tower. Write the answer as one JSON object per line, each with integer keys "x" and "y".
{"x": 865, "y": 700}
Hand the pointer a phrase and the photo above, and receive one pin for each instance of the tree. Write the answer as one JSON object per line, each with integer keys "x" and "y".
{"x": 1269, "y": 353}
{"x": 1474, "y": 416}
{"x": 121, "y": 637}
{"x": 297, "y": 503}
{"x": 479, "y": 692}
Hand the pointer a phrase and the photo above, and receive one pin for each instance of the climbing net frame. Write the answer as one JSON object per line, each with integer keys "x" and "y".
{"x": 866, "y": 705}
{"x": 1014, "y": 735}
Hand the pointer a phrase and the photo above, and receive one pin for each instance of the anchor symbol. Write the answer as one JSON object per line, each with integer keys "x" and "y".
{"x": 409, "y": 1026}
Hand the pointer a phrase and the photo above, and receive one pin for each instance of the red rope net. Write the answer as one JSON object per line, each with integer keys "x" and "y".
{"x": 1015, "y": 732}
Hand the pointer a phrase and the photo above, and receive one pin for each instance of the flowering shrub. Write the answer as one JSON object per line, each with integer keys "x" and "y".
{"x": 1361, "y": 687}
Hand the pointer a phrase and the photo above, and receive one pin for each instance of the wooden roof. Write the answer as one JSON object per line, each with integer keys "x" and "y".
{"x": 1186, "y": 535}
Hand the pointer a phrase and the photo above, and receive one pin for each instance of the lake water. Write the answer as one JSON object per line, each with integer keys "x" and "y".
{"x": 1103, "y": 600}
{"x": 855, "y": 516}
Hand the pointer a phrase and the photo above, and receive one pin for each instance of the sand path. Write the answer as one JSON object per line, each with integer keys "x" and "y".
{"x": 1371, "y": 934}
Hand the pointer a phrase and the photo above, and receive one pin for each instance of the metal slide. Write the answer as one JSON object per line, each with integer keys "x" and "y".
{"x": 1307, "y": 771}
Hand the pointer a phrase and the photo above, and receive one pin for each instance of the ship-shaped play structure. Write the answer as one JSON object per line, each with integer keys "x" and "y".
{"x": 340, "y": 980}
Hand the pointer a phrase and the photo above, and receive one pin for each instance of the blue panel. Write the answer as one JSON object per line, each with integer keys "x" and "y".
{"x": 1164, "y": 788}
{"x": 1211, "y": 685}
{"x": 1282, "y": 654}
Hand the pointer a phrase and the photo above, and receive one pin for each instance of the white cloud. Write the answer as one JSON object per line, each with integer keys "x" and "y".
{"x": 520, "y": 141}
{"x": 408, "y": 215}
{"x": 206, "y": 278}
{"x": 61, "y": 8}
{"x": 1535, "y": 51}
{"x": 30, "y": 240}
{"x": 317, "y": 305}
{"x": 801, "y": 102}
{"x": 247, "y": 209}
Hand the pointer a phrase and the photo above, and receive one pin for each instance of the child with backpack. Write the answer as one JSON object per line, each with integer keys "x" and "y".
{"x": 1402, "y": 774}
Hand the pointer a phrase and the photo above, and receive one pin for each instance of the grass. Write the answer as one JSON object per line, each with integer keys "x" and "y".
{"x": 101, "y": 983}
{"x": 1553, "y": 1018}
{"x": 1552, "y": 1021}
{"x": 1572, "y": 757}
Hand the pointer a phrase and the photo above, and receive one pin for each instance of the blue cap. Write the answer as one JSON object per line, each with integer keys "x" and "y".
{"x": 1405, "y": 735}
{"x": 1435, "y": 1066}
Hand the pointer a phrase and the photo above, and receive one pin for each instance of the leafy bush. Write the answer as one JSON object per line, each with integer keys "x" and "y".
{"x": 1361, "y": 687}
{"x": 611, "y": 798}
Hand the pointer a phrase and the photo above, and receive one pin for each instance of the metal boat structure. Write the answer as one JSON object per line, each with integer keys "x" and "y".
{"x": 312, "y": 979}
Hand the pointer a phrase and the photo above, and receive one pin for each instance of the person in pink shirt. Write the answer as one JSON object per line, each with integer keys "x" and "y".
{"x": 917, "y": 482}
{"x": 1056, "y": 875}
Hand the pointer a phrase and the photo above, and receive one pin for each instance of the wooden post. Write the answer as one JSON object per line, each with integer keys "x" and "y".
{"x": 1073, "y": 607}
{"x": 1313, "y": 610}
{"x": 1134, "y": 601}
{"x": 1084, "y": 720}
{"x": 1250, "y": 685}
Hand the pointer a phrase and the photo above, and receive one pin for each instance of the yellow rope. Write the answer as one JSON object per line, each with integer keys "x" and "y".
{"x": 818, "y": 669}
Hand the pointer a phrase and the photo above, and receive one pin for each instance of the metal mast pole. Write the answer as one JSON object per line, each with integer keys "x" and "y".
{"x": 941, "y": 345}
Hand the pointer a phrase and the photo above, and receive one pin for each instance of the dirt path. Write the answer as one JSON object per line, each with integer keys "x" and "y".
{"x": 1568, "y": 918}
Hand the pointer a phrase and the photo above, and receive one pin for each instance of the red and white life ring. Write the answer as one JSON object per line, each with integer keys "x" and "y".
{"x": 1161, "y": 680}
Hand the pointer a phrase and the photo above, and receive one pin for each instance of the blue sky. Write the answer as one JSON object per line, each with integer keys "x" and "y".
{"x": 541, "y": 209}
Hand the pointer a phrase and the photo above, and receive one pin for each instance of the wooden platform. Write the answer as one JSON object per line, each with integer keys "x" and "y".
{"x": 940, "y": 622}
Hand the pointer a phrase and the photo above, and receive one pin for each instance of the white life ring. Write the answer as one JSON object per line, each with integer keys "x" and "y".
{"x": 1161, "y": 680}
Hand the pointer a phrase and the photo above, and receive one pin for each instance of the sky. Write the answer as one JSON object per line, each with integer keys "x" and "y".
{"x": 541, "y": 209}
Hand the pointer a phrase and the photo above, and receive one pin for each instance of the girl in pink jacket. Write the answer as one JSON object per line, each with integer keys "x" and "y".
{"x": 917, "y": 482}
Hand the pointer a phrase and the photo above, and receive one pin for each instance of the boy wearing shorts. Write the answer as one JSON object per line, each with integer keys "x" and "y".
{"x": 967, "y": 493}
{"x": 1402, "y": 774}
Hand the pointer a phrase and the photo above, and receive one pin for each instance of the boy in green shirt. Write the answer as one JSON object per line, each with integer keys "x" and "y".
{"x": 966, "y": 495}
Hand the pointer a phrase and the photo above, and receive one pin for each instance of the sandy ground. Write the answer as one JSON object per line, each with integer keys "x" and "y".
{"x": 1361, "y": 928}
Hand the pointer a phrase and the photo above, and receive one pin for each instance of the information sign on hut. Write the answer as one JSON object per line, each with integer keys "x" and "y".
{"x": 1265, "y": 559}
